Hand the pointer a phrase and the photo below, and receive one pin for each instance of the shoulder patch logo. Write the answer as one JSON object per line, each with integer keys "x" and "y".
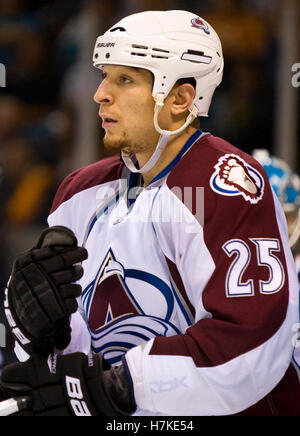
{"x": 233, "y": 176}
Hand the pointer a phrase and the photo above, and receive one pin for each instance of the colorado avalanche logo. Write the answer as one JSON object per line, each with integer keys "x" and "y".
{"x": 233, "y": 176}
{"x": 200, "y": 24}
{"x": 125, "y": 307}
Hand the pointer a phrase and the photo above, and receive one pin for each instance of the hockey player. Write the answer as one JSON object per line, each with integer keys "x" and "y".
{"x": 189, "y": 292}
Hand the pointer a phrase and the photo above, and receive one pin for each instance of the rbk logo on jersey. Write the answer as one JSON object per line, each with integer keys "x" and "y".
{"x": 200, "y": 24}
{"x": 233, "y": 176}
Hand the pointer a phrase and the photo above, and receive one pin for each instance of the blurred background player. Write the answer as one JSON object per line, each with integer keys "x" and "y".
{"x": 286, "y": 186}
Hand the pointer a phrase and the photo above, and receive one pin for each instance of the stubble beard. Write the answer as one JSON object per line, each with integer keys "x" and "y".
{"x": 115, "y": 144}
{"x": 123, "y": 143}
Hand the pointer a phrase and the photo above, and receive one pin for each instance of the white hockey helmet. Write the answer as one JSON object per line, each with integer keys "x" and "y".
{"x": 172, "y": 45}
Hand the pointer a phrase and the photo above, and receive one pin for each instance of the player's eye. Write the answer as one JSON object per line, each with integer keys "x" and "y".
{"x": 103, "y": 75}
{"x": 125, "y": 79}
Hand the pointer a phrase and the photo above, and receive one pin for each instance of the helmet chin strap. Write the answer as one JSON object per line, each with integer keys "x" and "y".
{"x": 163, "y": 140}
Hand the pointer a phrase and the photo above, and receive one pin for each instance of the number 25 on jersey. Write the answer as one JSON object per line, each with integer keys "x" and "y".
{"x": 265, "y": 249}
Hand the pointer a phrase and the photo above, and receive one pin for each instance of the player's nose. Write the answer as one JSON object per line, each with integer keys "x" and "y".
{"x": 103, "y": 95}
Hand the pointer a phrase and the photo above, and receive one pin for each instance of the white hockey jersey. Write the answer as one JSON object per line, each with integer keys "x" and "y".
{"x": 191, "y": 277}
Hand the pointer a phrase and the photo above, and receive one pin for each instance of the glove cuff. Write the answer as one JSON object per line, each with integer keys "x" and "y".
{"x": 129, "y": 383}
{"x": 117, "y": 388}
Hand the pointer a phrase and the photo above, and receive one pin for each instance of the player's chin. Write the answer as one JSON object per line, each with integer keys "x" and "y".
{"x": 112, "y": 142}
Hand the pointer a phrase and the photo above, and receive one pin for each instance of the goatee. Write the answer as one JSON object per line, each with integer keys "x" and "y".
{"x": 122, "y": 143}
{"x": 116, "y": 145}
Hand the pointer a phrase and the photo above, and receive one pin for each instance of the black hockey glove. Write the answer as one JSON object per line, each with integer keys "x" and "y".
{"x": 70, "y": 385}
{"x": 41, "y": 293}
{"x": 5, "y": 394}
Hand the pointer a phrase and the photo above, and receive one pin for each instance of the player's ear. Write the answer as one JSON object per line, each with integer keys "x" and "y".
{"x": 183, "y": 96}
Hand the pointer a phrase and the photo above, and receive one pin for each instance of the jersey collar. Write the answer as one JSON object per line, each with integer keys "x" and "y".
{"x": 190, "y": 142}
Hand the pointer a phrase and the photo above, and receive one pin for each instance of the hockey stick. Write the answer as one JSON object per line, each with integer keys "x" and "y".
{"x": 14, "y": 405}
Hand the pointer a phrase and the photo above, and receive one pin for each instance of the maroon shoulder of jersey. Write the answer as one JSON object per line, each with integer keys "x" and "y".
{"x": 103, "y": 171}
{"x": 197, "y": 165}
{"x": 203, "y": 166}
